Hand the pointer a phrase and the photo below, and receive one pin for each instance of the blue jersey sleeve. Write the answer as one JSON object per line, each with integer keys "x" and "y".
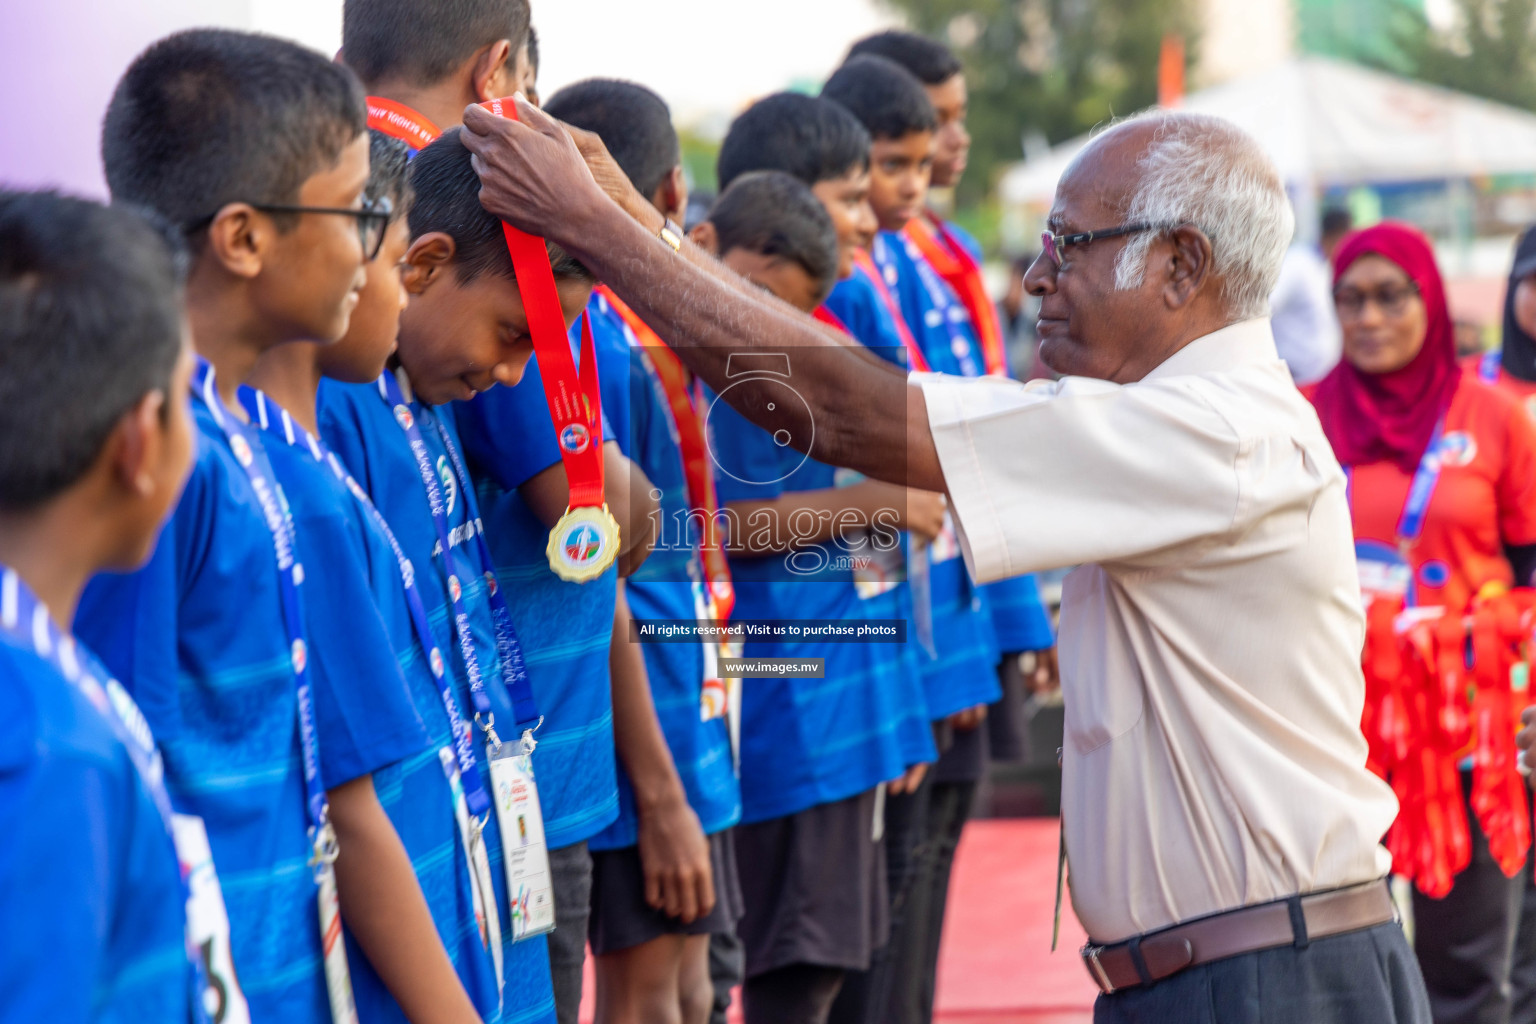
{"x": 1019, "y": 616}
{"x": 749, "y": 466}
{"x": 91, "y": 918}
{"x": 616, "y": 380}
{"x": 364, "y": 713}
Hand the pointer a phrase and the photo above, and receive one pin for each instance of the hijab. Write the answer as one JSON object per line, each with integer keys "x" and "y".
{"x": 1519, "y": 357}
{"x": 1376, "y": 417}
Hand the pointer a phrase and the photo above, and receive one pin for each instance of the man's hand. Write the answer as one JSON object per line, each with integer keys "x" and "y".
{"x": 610, "y": 177}
{"x": 674, "y": 855}
{"x": 968, "y": 718}
{"x": 532, "y": 174}
{"x": 1045, "y": 676}
{"x": 907, "y": 781}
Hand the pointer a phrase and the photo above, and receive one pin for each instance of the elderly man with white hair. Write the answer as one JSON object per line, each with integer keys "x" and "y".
{"x": 1221, "y": 827}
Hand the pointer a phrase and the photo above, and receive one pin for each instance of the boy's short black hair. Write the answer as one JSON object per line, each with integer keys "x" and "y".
{"x": 208, "y": 117}
{"x": 533, "y": 50}
{"x": 90, "y": 322}
{"x": 886, "y": 97}
{"x": 633, "y": 122}
{"x": 806, "y": 136}
{"x": 421, "y": 42}
{"x": 448, "y": 200}
{"x": 929, "y": 60}
{"x": 389, "y": 162}
{"x": 776, "y": 214}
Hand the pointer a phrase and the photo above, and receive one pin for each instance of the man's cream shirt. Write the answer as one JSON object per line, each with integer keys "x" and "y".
{"x": 1210, "y": 640}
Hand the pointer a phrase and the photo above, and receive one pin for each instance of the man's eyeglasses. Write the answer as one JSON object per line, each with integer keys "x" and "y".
{"x": 1054, "y": 244}
{"x": 1392, "y": 300}
{"x": 372, "y": 220}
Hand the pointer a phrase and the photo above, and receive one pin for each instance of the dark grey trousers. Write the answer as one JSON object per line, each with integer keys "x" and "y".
{"x": 571, "y": 871}
{"x": 1364, "y": 977}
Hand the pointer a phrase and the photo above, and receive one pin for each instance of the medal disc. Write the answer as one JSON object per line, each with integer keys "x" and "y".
{"x": 583, "y": 544}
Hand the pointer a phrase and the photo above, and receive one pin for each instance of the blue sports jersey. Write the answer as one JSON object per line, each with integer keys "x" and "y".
{"x": 197, "y": 637}
{"x": 92, "y": 926}
{"x": 804, "y": 741}
{"x": 669, "y": 585}
{"x": 564, "y": 627}
{"x": 368, "y": 613}
{"x": 359, "y": 426}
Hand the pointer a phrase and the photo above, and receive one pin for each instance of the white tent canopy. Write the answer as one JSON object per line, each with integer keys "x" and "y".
{"x": 1326, "y": 122}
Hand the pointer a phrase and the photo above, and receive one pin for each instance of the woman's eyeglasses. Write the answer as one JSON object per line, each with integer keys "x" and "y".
{"x": 1392, "y": 300}
{"x": 372, "y": 217}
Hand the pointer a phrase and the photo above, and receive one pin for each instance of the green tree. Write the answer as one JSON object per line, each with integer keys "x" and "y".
{"x": 1048, "y": 68}
{"x": 1488, "y": 50}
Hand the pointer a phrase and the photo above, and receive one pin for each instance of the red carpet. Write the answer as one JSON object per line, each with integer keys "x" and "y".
{"x": 996, "y": 965}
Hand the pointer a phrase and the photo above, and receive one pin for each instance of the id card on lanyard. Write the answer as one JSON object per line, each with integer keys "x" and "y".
{"x": 461, "y": 770}
{"x": 530, "y": 890}
{"x": 322, "y": 836}
{"x": 26, "y": 622}
{"x": 1387, "y": 571}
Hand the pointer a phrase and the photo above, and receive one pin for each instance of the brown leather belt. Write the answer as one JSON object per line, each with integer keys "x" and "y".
{"x": 1293, "y": 921}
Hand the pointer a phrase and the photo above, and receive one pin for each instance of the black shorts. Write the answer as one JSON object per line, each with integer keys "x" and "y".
{"x": 815, "y": 887}
{"x": 621, "y": 919}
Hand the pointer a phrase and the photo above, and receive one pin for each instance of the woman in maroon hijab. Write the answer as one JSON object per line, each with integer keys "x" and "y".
{"x": 1443, "y": 496}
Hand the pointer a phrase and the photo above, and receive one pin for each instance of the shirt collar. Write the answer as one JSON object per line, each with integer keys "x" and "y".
{"x": 1244, "y": 343}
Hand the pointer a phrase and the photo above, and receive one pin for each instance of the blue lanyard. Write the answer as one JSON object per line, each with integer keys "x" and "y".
{"x": 945, "y": 304}
{"x": 282, "y": 425}
{"x": 510, "y": 652}
{"x": 26, "y": 623}
{"x": 1488, "y": 366}
{"x": 290, "y": 576}
{"x": 1410, "y": 526}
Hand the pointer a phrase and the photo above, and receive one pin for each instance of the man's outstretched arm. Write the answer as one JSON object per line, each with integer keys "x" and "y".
{"x": 859, "y": 411}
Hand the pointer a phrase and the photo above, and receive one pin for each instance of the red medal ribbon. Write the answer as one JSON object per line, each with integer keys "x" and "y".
{"x": 575, "y": 403}
{"x": 953, "y": 262}
{"x": 831, "y": 319}
{"x": 688, "y": 416}
{"x": 915, "y": 357}
{"x": 401, "y": 122}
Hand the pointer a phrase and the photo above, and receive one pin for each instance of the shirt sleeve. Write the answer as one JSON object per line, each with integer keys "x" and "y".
{"x": 365, "y": 717}
{"x": 747, "y": 462}
{"x": 1057, "y": 474}
{"x": 1517, "y": 480}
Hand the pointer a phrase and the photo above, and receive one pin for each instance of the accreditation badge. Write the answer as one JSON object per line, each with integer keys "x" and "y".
{"x": 530, "y": 886}
{"x": 483, "y": 893}
{"x": 583, "y": 544}
{"x": 1384, "y": 573}
{"x": 208, "y": 922}
{"x": 338, "y": 976}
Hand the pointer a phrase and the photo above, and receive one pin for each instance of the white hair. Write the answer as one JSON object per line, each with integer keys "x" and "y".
{"x": 1206, "y": 171}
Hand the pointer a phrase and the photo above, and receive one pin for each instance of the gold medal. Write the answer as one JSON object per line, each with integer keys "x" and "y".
{"x": 583, "y": 544}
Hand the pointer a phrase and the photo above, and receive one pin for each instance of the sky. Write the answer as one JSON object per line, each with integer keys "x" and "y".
{"x": 59, "y": 59}
{"x": 706, "y": 57}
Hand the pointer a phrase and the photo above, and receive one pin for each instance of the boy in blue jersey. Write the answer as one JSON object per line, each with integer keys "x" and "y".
{"x": 397, "y": 434}
{"x": 425, "y": 64}
{"x": 815, "y": 753}
{"x": 962, "y": 680}
{"x": 447, "y": 928}
{"x": 256, "y": 149}
{"x": 650, "y": 932}
{"x": 93, "y": 407}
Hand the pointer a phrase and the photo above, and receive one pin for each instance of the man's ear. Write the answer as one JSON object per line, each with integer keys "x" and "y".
{"x": 239, "y": 237}
{"x": 671, "y": 196}
{"x": 1188, "y": 265}
{"x": 427, "y": 261}
{"x": 134, "y": 444}
{"x": 491, "y": 73}
{"x": 705, "y": 237}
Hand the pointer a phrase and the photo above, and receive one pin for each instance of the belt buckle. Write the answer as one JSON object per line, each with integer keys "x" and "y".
{"x": 1090, "y": 954}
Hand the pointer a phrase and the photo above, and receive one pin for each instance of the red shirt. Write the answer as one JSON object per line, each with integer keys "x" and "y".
{"x": 1484, "y": 499}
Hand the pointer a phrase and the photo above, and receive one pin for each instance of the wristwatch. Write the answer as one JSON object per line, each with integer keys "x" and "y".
{"x": 672, "y": 234}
